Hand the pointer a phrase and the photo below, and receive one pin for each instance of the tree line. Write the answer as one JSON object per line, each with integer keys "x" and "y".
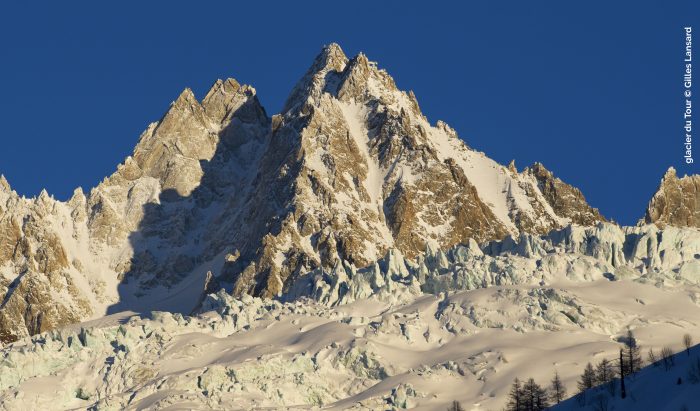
{"x": 608, "y": 375}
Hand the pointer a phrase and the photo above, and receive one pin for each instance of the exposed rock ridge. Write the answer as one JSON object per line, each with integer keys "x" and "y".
{"x": 676, "y": 202}
{"x": 565, "y": 200}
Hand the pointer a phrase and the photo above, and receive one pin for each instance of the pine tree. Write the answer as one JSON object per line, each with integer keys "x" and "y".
{"x": 667, "y": 358}
{"x": 534, "y": 397}
{"x": 605, "y": 375}
{"x": 604, "y": 372}
{"x": 623, "y": 392}
{"x": 633, "y": 356}
{"x": 557, "y": 391}
{"x": 515, "y": 397}
{"x": 651, "y": 357}
{"x": 588, "y": 378}
{"x": 456, "y": 406}
{"x": 529, "y": 395}
{"x": 586, "y": 382}
{"x": 687, "y": 342}
{"x": 541, "y": 398}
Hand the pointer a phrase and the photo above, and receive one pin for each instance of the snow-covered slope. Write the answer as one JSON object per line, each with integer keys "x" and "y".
{"x": 655, "y": 387}
{"x": 217, "y": 194}
{"x": 458, "y": 324}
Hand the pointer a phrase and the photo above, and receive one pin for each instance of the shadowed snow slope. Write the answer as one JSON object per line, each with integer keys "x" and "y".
{"x": 655, "y": 387}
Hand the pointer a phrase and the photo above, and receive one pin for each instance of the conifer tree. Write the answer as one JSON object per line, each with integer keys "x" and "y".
{"x": 651, "y": 357}
{"x": 557, "y": 391}
{"x": 541, "y": 396}
{"x": 605, "y": 375}
{"x": 687, "y": 343}
{"x": 515, "y": 397}
{"x": 623, "y": 392}
{"x": 588, "y": 378}
{"x": 667, "y": 358}
{"x": 534, "y": 397}
{"x": 633, "y": 356}
{"x": 456, "y": 406}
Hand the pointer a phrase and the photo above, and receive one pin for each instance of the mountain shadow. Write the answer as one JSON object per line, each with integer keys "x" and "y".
{"x": 193, "y": 233}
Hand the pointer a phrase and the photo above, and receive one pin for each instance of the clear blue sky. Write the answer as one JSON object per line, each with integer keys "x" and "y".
{"x": 591, "y": 90}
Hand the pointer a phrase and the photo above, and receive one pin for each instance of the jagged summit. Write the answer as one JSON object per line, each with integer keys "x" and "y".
{"x": 219, "y": 100}
{"x": 357, "y": 78}
{"x": 185, "y": 98}
{"x": 512, "y": 168}
{"x": 326, "y": 66}
{"x": 670, "y": 173}
{"x": 564, "y": 198}
{"x": 676, "y": 202}
{"x": 4, "y": 184}
{"x": 349, "y": 171}
{"x": 331, "y": 56}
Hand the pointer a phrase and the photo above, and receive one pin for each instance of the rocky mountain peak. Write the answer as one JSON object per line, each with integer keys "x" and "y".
{"x": 172, "y": 150}
{"x": 564, "y": 199}
{"x": 78, "y": 199}
{"x": 186, "y": 99}
{"x": 321, "y": 76}
{"x": 363, "y": 81}
{"x": 676, "y": 202}
{"x": 221, "y": 99}
{"x": 512, "y": 168}
{"x": 540, "y": 171}
{"x": 221, "y": 88}
{"x": 44, "y": 195}
{"x": 4, "y": 185}
{"x": 353, "y": 80}
{"x": 331, "y": 57}
{"x": 670, "y": 174}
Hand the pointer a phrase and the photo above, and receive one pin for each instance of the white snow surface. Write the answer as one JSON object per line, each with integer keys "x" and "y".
{"x": 353, "y": 114}
{"x": 399, "y": 334}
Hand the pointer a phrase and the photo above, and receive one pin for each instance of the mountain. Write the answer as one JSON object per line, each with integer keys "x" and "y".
{"x": 677, "y": 201}
{"x": 345, "y": 253}
{"x": 455, "y": 324}
{"x": 219, "y": 195}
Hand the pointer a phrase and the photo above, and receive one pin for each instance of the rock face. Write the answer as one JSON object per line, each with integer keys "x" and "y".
{"x": 36, "y": 279}
{"x": 349, "y": 170}
{"x": 563, "y": 198}
{"x": 677, "y": 202}
{"x": 369, "y": 172}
